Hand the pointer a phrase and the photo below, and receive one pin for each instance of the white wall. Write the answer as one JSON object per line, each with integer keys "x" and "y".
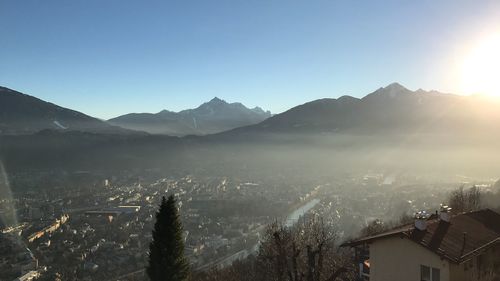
{"x": 399, "y": 259}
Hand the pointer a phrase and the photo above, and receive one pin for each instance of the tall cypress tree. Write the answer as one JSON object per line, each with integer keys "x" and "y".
{"x": 166, "y": 251}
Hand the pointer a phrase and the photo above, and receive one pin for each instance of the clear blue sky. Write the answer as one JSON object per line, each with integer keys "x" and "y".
{"x": 109, "y": 57}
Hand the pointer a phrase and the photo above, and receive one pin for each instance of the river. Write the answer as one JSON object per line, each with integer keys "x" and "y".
{"x": 294, "y": 217}
{"x": 291, "y": 219}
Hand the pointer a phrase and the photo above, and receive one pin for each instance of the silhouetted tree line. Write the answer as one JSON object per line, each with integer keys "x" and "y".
{"x": 306, "y": 252}
{"x": 460, "y": 200}
{"x": 465, "y": 200}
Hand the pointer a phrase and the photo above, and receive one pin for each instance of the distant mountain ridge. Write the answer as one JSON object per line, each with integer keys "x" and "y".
{"x": 211, "y": 117}
{"x": 392, "y": 109}
{"x": 24, "y": 114}
{"x": 390, "y": 128}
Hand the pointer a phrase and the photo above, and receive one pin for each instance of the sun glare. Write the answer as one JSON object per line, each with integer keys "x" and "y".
{"x": 481, "y": 68}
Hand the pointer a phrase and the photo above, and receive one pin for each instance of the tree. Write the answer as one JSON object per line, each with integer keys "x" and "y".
{"x": 375, "y": 227}
{"x": 496, "y": 186}
{"x": 461, "y": 200}
{"x": 305, "y": 252}
{"x": 166, "y": 251}
{"x": 378, "y": 226}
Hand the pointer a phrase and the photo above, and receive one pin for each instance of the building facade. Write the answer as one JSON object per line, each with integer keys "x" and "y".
{"x": 465, "y": 247}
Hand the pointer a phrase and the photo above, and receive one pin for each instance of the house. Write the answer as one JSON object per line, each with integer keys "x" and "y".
{"x": 440, "y": 247}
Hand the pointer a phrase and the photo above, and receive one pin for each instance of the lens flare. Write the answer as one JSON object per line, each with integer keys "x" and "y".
{"x": 8, "y": 215}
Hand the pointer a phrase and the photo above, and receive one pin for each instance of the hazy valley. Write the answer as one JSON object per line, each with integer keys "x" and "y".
{"x": 342, "y": 159}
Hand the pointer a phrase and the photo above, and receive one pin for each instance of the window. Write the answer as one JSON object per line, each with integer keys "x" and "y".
{"x": 428, "y": 273}
{"x": 436, "y": 274}
{"x": 425, "y": 273}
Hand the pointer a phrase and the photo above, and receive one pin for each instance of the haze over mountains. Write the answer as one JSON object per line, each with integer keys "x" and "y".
{"x": 391, "y": 128}
{"x": 211, "y": 117}
{"x": 24, "y": 114}
{"x": 390, "y": 110}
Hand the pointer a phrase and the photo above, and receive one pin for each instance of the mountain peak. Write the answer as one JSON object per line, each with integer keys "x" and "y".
{"x": 259, "y": 110}
{"x": 217, "y": 100}
{"x": 395, "y": 87}
{"x": 392, "y": 90}
{"x": 211, "y": 117}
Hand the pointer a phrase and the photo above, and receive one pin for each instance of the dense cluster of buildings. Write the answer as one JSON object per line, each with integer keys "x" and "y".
{"x": 102, "y": 231}
{"x": 17, "y": 260}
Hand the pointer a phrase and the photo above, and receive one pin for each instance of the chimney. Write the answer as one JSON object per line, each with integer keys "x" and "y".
{"x": 463, "y": 243}
{"x": 445, "y": 213}
{"x": 421, "y": 220}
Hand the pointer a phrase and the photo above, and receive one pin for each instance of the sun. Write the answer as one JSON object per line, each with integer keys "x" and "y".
{"x": 481, "y": 68}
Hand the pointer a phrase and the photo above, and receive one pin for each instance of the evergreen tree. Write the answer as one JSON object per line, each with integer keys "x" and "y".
{"x": 166, "y": 251}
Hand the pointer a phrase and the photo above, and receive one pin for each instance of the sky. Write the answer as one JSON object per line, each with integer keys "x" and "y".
{"x": 111, "y": 57}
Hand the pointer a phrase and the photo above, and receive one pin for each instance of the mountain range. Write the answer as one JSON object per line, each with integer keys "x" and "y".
{"x": 211, "y": 117}
{"x": 393, "y": 109}
{"x": 392, "y": 127}
{"x": 24, "y": 114}
{"x": 390, "y": 110}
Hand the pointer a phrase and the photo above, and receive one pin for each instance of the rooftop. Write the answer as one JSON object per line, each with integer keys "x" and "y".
{"x": 465, "y": 236}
